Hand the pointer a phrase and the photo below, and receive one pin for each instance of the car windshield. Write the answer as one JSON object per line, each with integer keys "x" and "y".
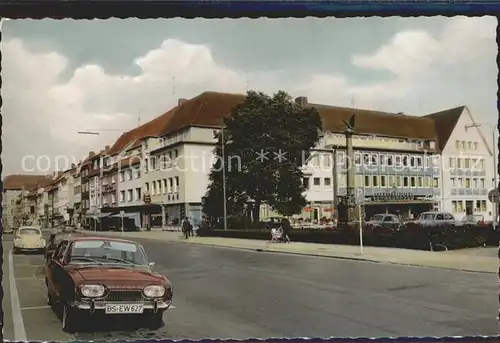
{"x": 29, "y": 231}
{"x": 426, "y": 216}
{"x": 107, "y": 251}
{"x": 377, "y": 218}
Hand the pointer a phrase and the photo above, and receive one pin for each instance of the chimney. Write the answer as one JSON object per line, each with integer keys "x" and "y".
{"x": 301, "y": 101}
{"x": 91, "y": 154}
{"x": 106, "y": 147}
{"x": 181, "y": 101}
{"x": 73, "y": 166}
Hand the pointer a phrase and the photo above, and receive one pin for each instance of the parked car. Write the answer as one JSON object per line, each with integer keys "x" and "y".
{"x": 107, "y": 275}
{"x": 474, "y": 220}
{"x": 29, "y": 238}
{"x": 435, "y": 219}
{"x": 384, "y": 223}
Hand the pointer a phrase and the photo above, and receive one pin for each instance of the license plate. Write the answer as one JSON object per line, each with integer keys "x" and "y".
{"x": 124, "y": 309}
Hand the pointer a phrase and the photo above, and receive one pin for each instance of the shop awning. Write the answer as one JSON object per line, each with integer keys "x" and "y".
{"x": 127, "y": 215}
{"x": 99, "y": 215}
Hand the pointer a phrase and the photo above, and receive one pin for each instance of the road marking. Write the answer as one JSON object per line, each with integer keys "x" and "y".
{"x": 35, "y": 307}
{"x": 17, "y": 317}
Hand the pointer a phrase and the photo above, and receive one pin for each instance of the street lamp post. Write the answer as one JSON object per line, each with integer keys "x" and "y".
{"x": 223, "y": 153}
{"x": 495, "y": 172}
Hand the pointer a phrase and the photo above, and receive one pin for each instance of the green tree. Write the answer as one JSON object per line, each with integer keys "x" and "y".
{"x": 266, "y": 141}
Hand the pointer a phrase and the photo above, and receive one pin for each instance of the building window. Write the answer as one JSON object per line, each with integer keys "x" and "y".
{"x": 476, "y": 146}
{"x": 473, "y": 164}
{"x": 436, "y": 182}
{"x": 176, "y": 183}
{"x": 326, "y": 160}
{"x": 153, "y": 188}
{"x": 317, "y": 181}
{"x": 481, "y": 164}
{"x": 375, "y": 180}
{"x": 366, "y": 159}
{"x": 467, "y": 183}
{"x": 419, "y": 161}
{"x": 481, "y": 183}
{"x": 327, "y": 181}
{"x": 457, "y": 145}
{"x": 171, "y": 184}
{"x": 469, "y": 145}
{"x": 459, "y": 163}
{"x": 383, "y": 181}
{"x": 467, "y": 163}
{"x": 113, "y": 178}
{"x": 398, "y": 181}
{"x": 412, "y": 161}
{"x": 383, "y": 159}
{"x": 164, "y": 186}
{"x": 390, "y": 182}
{"x": 397, "y": 161}
{"x": 375, "y": 160}
{"x": 405, "y": 161}
{"x": 462, "y": 144}
{"x": 460, "y": 206}
{"x": 129, "y": 174}
{"x": 389, "y": 160}
{"x": 122, "y": 176}
{"x": 483, "y": 206}
{"x": 129, "y": 195}
{"x": 478, "y": 205}
{"x": 137, "y": 173}
{"x": 357, "y": 158}
{"x": 405, "y": 181}
{"x": 122, "y": 196}
{"x": 146, "y": 187}
{"x": 138, "y": 193}
{"x": 460, "y": 182}
{"x": 453, "y": 162}
{"x": 453, "y": 183}
{"x": 113, "y": 199}
{"x": 474, "y": 183}
{"x": 367, "y": 181}
{"x": 176, "y": 153}
{"x": 454, "y": 205}
{"x": 413, "y": 182}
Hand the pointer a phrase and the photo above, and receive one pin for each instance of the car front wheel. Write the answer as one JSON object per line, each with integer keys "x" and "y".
{"x": 69, "y": 319}
{"x": 154, "y": 321}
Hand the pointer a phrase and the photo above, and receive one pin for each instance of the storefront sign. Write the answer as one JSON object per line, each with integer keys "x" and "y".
{"x": 146, "y": 198}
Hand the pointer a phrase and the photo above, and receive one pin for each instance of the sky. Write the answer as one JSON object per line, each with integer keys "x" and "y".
{"x": 64, "y": 76}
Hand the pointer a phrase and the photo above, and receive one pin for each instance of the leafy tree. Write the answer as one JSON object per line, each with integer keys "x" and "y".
{"x": 266, "y": 141}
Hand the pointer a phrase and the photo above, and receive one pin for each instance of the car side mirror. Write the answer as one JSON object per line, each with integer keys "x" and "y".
{"x": 49, "y": 253}
{"x": 151, "y": 264}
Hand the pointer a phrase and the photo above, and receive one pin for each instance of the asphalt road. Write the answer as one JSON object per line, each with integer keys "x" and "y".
{"x": 228, "y": 293}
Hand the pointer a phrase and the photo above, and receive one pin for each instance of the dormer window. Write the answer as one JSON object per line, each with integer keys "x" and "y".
{"x": 432, "y": 144}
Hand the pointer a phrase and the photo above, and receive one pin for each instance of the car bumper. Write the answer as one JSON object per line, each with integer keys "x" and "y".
{"x": 99, "y": 305}
{"x": 29, "y": 248}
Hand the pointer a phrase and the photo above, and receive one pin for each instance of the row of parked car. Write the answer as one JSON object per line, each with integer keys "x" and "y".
{"x": 426, "y": 219}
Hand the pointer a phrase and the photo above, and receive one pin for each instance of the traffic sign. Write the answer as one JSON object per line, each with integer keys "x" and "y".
{"x": 360, "y": 196}
{"x": 494, "y": 195}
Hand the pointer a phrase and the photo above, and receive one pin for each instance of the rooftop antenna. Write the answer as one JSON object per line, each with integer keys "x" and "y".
{"x": 139, "y": 116}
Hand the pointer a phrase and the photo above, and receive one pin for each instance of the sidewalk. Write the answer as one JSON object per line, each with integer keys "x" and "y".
{"x": 475, "y": 260}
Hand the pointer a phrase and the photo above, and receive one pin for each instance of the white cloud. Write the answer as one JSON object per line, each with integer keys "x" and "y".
{"x": 42, "y": 113}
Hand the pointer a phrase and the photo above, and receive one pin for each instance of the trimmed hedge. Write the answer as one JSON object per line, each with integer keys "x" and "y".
{"x": 415, "y": 237}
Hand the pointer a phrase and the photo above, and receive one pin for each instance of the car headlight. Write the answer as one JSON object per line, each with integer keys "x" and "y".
{"x": 154, "y": 291}
{"x": 92, "y": 291}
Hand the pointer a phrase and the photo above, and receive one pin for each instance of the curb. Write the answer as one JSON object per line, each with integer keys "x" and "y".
{"x": 316, "y": 255}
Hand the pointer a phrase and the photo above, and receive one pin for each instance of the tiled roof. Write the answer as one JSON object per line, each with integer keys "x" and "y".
{"x": 445, "y": 121}
{"x": 209, "y": 109}
{"x": 18, "y": 181}
{"x": 151, "y": 128}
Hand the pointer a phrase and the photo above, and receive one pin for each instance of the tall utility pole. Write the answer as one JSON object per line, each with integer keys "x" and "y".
{"x": 224, "y": 177}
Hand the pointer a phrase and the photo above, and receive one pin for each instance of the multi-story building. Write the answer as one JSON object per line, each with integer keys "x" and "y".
{"x": 84, "y": 181}
{"x": 77, "y": 195}
{"x": 467, "y": 164}
{"x": 398, "y": 159}
{"x": 12, "y": 188}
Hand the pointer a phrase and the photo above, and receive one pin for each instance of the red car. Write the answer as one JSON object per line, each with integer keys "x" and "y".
{"x": 90, "y": 275}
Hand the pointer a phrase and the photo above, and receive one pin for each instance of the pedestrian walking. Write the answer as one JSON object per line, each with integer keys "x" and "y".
{"x": 186, "y": 227}
{"x": 286, "y": 227}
